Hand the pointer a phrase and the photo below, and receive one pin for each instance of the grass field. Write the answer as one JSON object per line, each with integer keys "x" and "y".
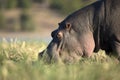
{"x": 18, "y": 61}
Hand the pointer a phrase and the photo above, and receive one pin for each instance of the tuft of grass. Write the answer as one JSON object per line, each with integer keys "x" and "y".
{"x": 20, "y": 50}
{"x": 18, "y": 60}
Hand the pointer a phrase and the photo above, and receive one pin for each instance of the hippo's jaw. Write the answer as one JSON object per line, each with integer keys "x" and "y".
{"x": 54, "y": 50}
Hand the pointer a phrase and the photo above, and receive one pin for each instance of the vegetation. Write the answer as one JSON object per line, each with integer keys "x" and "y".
{"x": 68, "y": 6}
{"x": 10, "y": 4}
{"x": 38, "y": 1}
{"x": 18, "y": 60}
{"x": 26, "y": 21}
{"x": 24, "y": 3}
{"x": 25, "y": 24}
{"x": 2, "y": 20}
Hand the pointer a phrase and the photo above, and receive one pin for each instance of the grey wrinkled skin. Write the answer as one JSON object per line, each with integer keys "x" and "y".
{"x": 85, "y": 31}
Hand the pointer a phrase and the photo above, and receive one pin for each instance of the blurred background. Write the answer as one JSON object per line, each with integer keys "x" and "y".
{"x": 34, "y": 19}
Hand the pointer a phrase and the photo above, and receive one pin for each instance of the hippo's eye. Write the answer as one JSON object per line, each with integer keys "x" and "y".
{"x": 60, "y": 35}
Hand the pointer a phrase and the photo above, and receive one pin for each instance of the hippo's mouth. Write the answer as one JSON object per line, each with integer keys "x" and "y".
{"x": 54, "y": 50}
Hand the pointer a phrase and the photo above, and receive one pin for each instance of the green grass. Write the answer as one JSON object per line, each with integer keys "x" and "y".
{"x": 18, "y": 61}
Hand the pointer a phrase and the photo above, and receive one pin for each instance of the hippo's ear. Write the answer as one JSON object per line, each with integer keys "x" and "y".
{"x": 68, "y": 26}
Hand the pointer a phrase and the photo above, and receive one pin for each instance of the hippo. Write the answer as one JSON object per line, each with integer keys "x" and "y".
{"x": 87, "y": 30}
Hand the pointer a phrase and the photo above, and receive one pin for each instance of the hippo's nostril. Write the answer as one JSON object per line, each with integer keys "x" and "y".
{"x": 59, "y": 35}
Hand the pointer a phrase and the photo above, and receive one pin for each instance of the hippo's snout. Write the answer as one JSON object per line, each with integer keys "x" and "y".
{"x": 52, "y": 52}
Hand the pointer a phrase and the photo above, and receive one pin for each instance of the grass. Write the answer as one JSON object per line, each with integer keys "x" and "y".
{"x": 18, "y": 60}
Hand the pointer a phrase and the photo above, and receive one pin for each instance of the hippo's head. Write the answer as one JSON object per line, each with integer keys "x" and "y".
{"x": 65, "y": 44}
{"x": 70, "y": 42}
